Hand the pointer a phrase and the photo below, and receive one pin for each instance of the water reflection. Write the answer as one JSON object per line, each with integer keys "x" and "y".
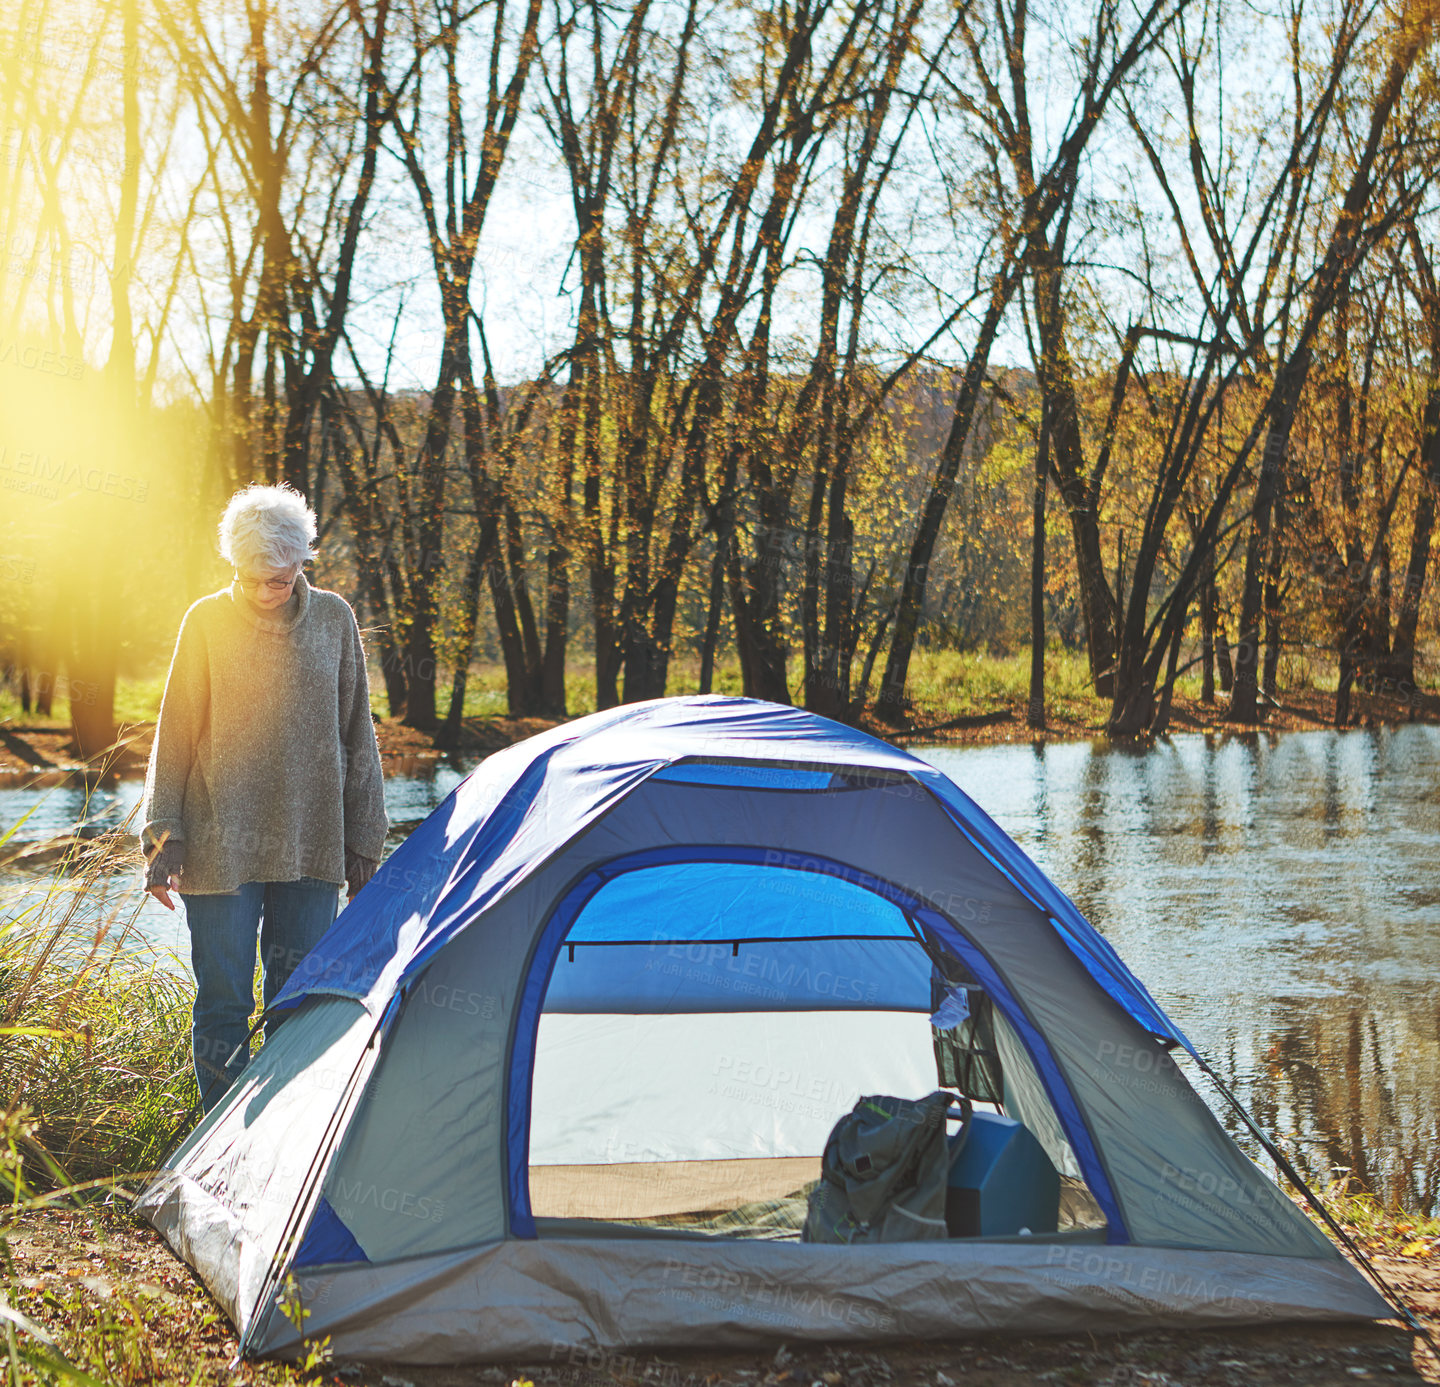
{"x": 1279, "y": 896}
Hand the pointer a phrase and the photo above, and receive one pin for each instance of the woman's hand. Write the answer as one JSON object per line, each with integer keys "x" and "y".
{"x": 358, "y": 870}
{"x": 164, "y": 870}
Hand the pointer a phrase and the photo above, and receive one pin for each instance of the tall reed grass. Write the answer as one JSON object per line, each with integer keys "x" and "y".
{"x": 95, "y": 1084}
{"x": 94, "y": 1024}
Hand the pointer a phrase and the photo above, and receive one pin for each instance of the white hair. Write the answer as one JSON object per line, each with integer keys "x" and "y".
{"x": 267, "y": 527}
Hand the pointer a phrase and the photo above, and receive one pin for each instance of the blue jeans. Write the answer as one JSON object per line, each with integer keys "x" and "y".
{"x": 291, "y": 917}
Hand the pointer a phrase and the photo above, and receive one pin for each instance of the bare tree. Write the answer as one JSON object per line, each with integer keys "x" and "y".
{"x": 454, "y": 221}
{"x": 1027, "y": 200}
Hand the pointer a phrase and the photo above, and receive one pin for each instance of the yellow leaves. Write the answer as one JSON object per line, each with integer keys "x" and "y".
{"x": 1421, "y": 1247}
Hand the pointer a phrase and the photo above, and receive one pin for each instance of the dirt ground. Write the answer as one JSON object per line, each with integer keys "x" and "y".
{"x": 119, "y": 1303}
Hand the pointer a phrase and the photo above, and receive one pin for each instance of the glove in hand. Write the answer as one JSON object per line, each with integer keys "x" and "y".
{"x": 168, "y": 861}
{"x": 358, "y": 870}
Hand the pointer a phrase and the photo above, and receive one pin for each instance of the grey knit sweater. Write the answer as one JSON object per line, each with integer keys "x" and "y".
{"x": 265, "y": 762}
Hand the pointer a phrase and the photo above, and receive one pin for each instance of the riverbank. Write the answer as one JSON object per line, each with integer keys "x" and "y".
{"x": 123, "y": 1308}
{"x": 957, "y": 699}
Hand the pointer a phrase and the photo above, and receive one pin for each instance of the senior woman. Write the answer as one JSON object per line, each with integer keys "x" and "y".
{"x": 263, "y": 793}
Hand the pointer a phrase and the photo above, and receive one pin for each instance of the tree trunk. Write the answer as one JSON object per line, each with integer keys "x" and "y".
{"x": 557, "y": 630}
{"x": 1401, "y": 667}
{"x": 515, "y": 619}
{"x": 1377, "y": 645}
{"x": 372, "y": 545}
{"x": 314, "y": 380}
{"x": 647, "y": 661}
{"x": 95, "y": 619}
{"x": 482, "y": 550}
{"x": 841, "y": 632}
{"x": 1222, "y": 658}
{"x": 522, "y": 688}
{"x": 757, "y": 585}
{"x": 890, "y": 704}
{"x": 522, "y": 663}
{"x": 1349, "y": 646}
{"x": 1057, "y": 385}
{"x": 1272, "y": 609}
{"x": 755, "y": 602}
{"x": 599, "y": 563}
{"x": 392, "y": 670}
{"x": 713, "y": 610}
{"x": 557, "y": 557}
{"x": 419, "y": 659}
{"x": 449, "y": 735}
{"x": 423, "y": 615}
{"x": 1035, "y": 713}
{"x": 453, "y": 255}
{"x": 1358, "y": 613}
{"x": 1208, "y": 615}
{"x": 91, "y": 682}
{"x": 1160, "y": 722}
{"x": 1244, "y": 698}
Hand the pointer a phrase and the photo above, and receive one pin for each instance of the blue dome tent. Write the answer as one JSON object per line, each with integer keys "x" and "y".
{"x": 555, "y": 1075}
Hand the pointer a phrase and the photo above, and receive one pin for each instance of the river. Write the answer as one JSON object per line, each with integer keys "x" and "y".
{"x": 1279, "y": 895}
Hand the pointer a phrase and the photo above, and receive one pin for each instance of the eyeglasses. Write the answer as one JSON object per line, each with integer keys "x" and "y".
{"x": 268, "y": 584}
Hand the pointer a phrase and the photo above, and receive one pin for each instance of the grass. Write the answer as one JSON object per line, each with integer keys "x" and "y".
{"x": 94, "y": 1080}
{"x": 96, "y": 1087}
{"x": 953, "y": 684}
{"x": 1376, "y": 1226}
{"x": 136, "y": 700}
{"x": 943, "y": 685}
{"x": 94, "y": 1028}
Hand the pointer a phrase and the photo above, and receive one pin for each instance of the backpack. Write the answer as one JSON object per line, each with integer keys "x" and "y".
{"x": 883, "y": 1174}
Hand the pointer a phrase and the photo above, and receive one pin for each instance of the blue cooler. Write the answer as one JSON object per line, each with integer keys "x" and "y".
{"x": 1001, "y": 1181}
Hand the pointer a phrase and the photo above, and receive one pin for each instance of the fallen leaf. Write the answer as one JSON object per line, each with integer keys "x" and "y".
{"x": 1416, "y": 1249}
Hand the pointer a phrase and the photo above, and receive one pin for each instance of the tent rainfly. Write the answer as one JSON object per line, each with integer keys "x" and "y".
{"x": 560, "y": 1076}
